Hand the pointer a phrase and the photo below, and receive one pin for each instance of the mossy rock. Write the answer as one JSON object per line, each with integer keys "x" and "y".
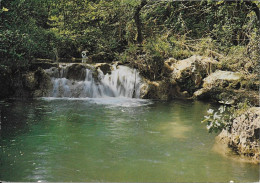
{"x": 104, "y": 67}
{"x": 76, "y": 72}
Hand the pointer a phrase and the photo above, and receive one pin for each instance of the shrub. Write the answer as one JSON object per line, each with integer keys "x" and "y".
{"x": 223, "y": 117}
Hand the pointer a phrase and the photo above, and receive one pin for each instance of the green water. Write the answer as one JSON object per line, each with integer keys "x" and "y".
{"x": 112, "y": 140}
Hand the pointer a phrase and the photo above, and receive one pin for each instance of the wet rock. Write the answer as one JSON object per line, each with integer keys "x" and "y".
{"x": 162, "y": 90}
{"x": 29, "y": 81}
{"x": 31, "y": 84}
{"x": 53, "y": 72}
{"x": 42, "y": 83}
{"x": 104, "y": 67}
{"x": 243, "y": 136}
{"x": 76, "y": 72}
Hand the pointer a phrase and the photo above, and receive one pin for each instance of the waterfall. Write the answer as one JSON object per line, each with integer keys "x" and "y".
{"x": 122, "y": 81}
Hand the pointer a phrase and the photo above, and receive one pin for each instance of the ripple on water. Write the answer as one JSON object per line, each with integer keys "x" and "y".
{"x": 109, "y": 101}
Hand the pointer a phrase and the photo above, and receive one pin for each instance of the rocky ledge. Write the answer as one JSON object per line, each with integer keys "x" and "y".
{"x": 226, "y": 86}
{"x": 197, "y": 77}
{"x": 243, "y": 136}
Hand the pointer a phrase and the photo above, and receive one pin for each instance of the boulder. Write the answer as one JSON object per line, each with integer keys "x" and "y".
{"x": 42, "y": 83}
{"x": 76, "y": 72}
{"x": 224, "y": 87}
{"x": 162, "y": 90}
{"x": 189, "y": 73}
{"x": 243, "y": 136}
{"x": 31, "y": 84}
{"x": 104, "y": 67}
{"x": 221, "y": 78}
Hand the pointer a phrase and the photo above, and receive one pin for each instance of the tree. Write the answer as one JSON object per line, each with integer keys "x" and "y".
{"x": 138, "y": 21}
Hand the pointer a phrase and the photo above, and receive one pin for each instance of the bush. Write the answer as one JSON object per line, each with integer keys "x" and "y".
{"x": 220, "y": 119}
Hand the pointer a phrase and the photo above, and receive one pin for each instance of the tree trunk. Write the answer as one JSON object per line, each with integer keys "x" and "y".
{"x": 138, "y": 21}
{"x": 255, "y": 9}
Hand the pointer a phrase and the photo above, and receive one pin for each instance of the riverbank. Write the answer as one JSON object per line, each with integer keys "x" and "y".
{"x": 194, "y": 78}
{"x": 243, "y": 136}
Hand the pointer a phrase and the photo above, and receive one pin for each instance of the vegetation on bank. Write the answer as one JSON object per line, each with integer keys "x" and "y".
{"x": 142, "y": 32}
{"x": 122, "y": 29}
{"x": 223, "y": 117}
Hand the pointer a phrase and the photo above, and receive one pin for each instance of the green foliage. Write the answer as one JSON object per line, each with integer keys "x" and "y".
{"x": 34, "y": 28}
{"x": 23, "y": 33}
{"x": 220, "y": 119}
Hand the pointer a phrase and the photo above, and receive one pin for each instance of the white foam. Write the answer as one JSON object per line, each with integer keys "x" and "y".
{"x": 122, "y": 82}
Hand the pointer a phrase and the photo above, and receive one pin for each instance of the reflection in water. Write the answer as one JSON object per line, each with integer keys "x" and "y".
{"x": 175, "y": 130}
{"x": 122, "y": 140}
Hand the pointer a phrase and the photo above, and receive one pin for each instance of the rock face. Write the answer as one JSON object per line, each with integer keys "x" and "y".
{"x": 31, "y": 84}
{"x": 76, "y": 72}
{"x": 156, "y": 90}
{"x": 243, "y": 137}
{"x": 189, "y": 73}
{"x": 181, "y": 78}
{"x": 104, "y": 67}
{"x": 225, "y": 86}
{"x": 162, "y": 90}
{"x": 194, "y": 77}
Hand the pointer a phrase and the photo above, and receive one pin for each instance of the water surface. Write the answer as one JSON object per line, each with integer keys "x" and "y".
{"x": 112, "y": 140}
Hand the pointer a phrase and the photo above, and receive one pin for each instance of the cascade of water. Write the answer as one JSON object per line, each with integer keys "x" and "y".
{"x": 122, "y": 82}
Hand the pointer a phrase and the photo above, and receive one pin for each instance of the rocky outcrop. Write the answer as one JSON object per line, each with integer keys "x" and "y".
{"x": 181, "y": 78}
{"x": 30, "y": 84}
{"x": 104, "y": 67}
{"x": 225, "y": 86}
{"x": 76, "y": 72}
{"x": 156, "y": 90}
{"x": 162, "y": 90}
{"x": 243, "y": 136}
{"x": 42, "y": 83}
{"x": 189, "y": 73}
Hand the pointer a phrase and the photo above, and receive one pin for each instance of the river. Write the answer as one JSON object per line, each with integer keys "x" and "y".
{"x": 112, "y": 140}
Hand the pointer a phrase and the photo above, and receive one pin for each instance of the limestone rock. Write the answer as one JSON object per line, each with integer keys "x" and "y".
{"x": 190, "y": 72}
{"x": 168, "y": 66}
{"x": 223, "y": 86}
{"x": 221, "y": 78}
{"x": 162, "y": 90}
{"x": 29, "y": 80}
{"x": 243, "y": 137}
